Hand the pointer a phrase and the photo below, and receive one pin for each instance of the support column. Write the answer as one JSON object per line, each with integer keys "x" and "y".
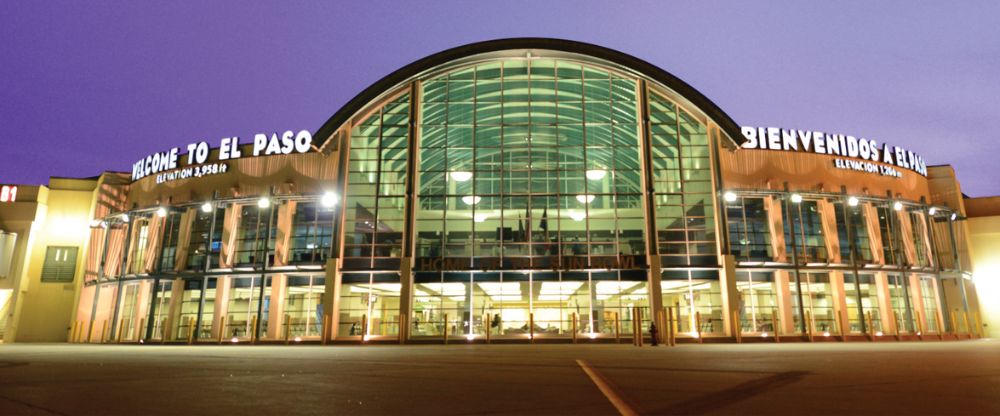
{"x": 840, "y": 301}
{"x": 406, "y": 298}
{"x": 730, "y": 295}
{"x": 785, "y": 305}
{"x": 331, "y": 295}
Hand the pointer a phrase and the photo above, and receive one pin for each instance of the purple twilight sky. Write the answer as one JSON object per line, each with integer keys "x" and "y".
{"x": 93, "y": 86}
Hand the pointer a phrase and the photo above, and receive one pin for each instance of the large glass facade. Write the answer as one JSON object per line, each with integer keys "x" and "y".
{"x": 749, "y": 235}
{"x": 804, "y": 221}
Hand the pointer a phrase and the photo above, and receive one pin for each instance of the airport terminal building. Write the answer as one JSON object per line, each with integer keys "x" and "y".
{"x": 517, "y": 190}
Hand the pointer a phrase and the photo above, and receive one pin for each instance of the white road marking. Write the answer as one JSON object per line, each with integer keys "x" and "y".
{"x": 605, "y": 387}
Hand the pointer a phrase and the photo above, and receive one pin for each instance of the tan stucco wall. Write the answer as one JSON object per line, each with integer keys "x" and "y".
{"x": 984, "y": 236}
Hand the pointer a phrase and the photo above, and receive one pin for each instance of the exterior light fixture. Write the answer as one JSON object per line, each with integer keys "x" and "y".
{"x": 460, "y": 175}
{"x": 298, "y": 339}
{"x": 592, "y": 335}
{"x": 124, "y": 217}
{"x": 763, "y": 334}
{"x": 95, "y": 223}
{"x": 234, "y": 340}
{"x": 852, "y": 201}
{"x": 585, "y": 198}
{"x": 263, "y": 202}
{"x": 103, "y": 224}
{"x": 954, "y": 216}
{"x": 898, "y": 206}
{"x": 470, "y": 337}
{"x": 471, "y": 199}
{"x": 796, "y": 198}
{"x": 596, "y": 174}
{"x": 206, "y": 207}
{"x": 329, "y": 199}
{"x": 729, "y": 196}
{"x": 932, "y": 211}
{"x": 161, "y": 212}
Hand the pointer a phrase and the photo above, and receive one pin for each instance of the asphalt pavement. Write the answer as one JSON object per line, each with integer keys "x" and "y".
{"x": 801, "y": 378}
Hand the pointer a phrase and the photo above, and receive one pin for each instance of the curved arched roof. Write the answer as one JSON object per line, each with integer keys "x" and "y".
{"x": 647, "y": 69}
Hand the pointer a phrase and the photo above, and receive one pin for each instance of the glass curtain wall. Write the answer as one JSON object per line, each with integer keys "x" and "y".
{"x": 508, "y": 303}
{"x": 244, "y": 301}
{"x": 928, "y": 291}
{"x": 852, "y": 224}
{"x": 919, "y": 236}
{"x": 312, "y": 233}
{"x": 864, "y": 291}
{"x": 369, "y": 305}
{"x": 696, "y": 298}
{"x": 900, "y": 300}
{"x": 162, "y": 292}
{"x": 889, "y": 234}
{"x": 206, "y": 241}
{"x": 804, "y": 219}
{"x": 255, "y": 238}
{"x": 682, "y": 182}
{"x": 304, "y": 305}
{"x": 528, "y": 162}
{"x": 749, "y": 235}
{"x": 758, "y": 302}
{"x": 817, "y": 300}
{"x": 375, "y": 203}
{"x": 172, "y": 230}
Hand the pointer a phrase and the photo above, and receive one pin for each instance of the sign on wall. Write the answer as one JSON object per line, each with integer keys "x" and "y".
{"x": 229, "y": 148}
{"x": 860, "y": 154}
{"x": 8, "y": 193}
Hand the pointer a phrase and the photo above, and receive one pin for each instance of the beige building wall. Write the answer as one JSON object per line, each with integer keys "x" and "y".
{"x": 984, "y": 239}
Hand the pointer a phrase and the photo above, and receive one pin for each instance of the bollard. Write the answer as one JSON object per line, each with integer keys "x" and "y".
{"x": 954, "y": 324}
{"x": 737, "y": 328}
{"x": 809, "y": 326}
{"x": 618, "y": 329}
{"x": 920, "y": 326}
{"x": 72, "y": 332}
{"x": 968, "y": 329}
{"x": 190, "y": 325}
{"x": 897, "y": 323}
{"x": 445, "y": 329}
{"x": 979, "y": 325}
{"x": 364, "y": 328}
{"x": 871, "y": 328}
{"x": 637, "y": 318}
{"x": 670, "y": 327}
{"x": 163, "y": 331}
{"x": 489, "y": 328}
{"x": 940, "y": 326}
{"x": 531, "y": 326}
{"x": 635, "y": 342}
{"x": 141, "y": 335}
{"x": 288, "y": 328}
{"x": 104, "y": 332}
{"x": 774, "y": 325}
{"x": 121, "y": 326}
{"x": 840, "y": 327}
{"x": 253, "y": 329}
{"x": 222, "y": 328}
{"x": 574, "y": 326}
{"x": 697, "y": 322}
{"x": 325, "y": 333}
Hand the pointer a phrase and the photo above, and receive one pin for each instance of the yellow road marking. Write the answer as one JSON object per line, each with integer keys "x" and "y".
{"x": 605, "y": 387}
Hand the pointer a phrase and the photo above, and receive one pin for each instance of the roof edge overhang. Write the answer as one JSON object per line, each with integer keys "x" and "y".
{"x": 699, "y": 100}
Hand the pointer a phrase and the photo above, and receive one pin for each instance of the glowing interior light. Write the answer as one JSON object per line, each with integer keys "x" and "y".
{"x": 932, "y": 211}
{"x": 729, "y": 196}
{"x": 763, "y": 335}
{"x": 263, "y": 202}
{"x": 470, "y": 337}
{"x": 577, "y": 215}
{"x": 878, "y": 334}
{"x": 694, "y": 334}
{"x": 471, "y": 199}
{"x": 852, "y": 201}
{"x": 826, "y": 334}
{"x": 596, "y": 174}
{"x": 591, "y": 335}
{"x": 897, "y": 206}
{"x": 206, "y": 207}
{"x": 161, "y": 212}
{"x": 796, "y": 198}
{"x": 124, "y": 217}
{"x": 479, "y": 218}
{"x": 234, "y": 340}
{"x": 461, "y": 175}
{"x": 585, "y": 198}
{"x": 329, "y": 199}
